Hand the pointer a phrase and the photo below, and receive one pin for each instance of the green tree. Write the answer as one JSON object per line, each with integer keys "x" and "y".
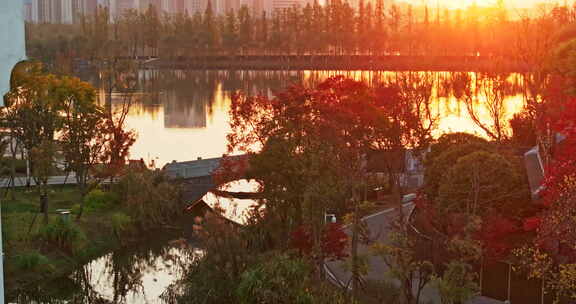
{"x": 480, "y": 183}
{"x": 83, "y": 137}
{"x": 43, "y": 156}
{"x": 282, "y": 280}
{"x": 399, "y": 255}
{"x": 245, "y": 31}
{"x": 34, "y": 109}
{"x": 230, "y": 33}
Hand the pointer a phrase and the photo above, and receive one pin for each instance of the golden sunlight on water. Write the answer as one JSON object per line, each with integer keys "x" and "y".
{"x": 154, "y": 274}
{"x": 234, "y": 209}
{"x": 188, "y": 117}
{"x": 166, "y": 134}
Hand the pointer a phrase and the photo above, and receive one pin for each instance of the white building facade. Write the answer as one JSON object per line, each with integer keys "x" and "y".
{"x": 12, "y": 45}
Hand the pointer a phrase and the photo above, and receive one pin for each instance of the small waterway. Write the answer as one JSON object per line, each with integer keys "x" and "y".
{"x": 144, "y": 271}
{"x": 136, "y": 274}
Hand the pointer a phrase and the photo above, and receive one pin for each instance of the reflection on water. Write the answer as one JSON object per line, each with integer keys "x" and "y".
{"x": 182, "y": 115}
{"x": 234, "y": 208}
{"x": 134, "y": 275}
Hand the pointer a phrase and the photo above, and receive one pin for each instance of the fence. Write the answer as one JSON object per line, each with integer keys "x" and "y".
{"x": 500, "y": 281}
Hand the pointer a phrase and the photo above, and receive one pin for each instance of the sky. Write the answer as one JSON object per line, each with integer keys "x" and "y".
{"x": 466, "y": 3}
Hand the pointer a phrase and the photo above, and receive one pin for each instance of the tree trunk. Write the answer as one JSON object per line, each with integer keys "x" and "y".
{"x": 44, "y": 205}
{"x": 81, "y": 179}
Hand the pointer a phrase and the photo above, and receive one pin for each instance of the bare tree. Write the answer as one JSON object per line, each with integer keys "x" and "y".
{"x": 492, "y": 88}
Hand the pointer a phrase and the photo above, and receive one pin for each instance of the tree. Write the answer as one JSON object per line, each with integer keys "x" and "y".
{"x": 43, "y": 156}
{"x": 83, "y": 136}
{"x": 117, "y": 141}
{"x": 493, "y": 89}
{"x": 230, "y": 33}
{"x": 480, "y": 183}
{"x": 33, "y": 116}
{"x": 458, "y": 284}
{"x": 209, "y": 29}
{"x": 523, "y": 132}
{"x": 437, "y": 165}
{"x": 551, "y": 256}
{"x": 282, "y": 280}
{"x": 398, "y": 253}
{"x": 313, "y": 144}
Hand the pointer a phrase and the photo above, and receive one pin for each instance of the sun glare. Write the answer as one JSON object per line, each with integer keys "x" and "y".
{"x": 458, "y": 4}
{"x": 454, "y": 4}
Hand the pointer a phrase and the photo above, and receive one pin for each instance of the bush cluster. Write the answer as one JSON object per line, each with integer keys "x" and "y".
{"x": 63, "y": 234}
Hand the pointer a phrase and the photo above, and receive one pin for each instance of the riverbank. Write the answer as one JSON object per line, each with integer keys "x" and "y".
{"x": 38, "y": 252}
{"x": 31, "y": 256}
{"x": 329, "y": 62}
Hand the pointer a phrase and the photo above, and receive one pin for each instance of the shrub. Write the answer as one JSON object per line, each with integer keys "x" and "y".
{"x": 450, "y": 140}
{"x": 64, "y": 234}
{"x": 151, "y": 198}
{"x": 32, "y": 260}
{"x": 437, "y": 168}
{"x": 281, "y": 280}
{"x": 523, "y": 131}
{"x": 457, "y": 284}
{"x": 99, "y": 200}
{"x": 19, "y": 165}
{"x": 75, "y": 209}
{"x": 120, "y": 222}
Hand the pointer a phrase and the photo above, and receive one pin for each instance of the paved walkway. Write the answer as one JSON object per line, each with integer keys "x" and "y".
{"x": 379, "y": 227}
{"x": 20, "y": 181}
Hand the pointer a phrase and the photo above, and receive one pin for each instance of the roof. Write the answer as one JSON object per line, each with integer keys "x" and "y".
{"x": 534, "y": 170}
{"x": 192, "y": 169}
{"x": 196, "y": 168}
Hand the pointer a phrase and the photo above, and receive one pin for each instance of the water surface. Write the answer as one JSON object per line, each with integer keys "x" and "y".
{"x": 183, "y": 115}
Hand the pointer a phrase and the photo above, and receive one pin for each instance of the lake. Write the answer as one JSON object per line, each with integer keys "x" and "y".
{"x": 182, "y": 115}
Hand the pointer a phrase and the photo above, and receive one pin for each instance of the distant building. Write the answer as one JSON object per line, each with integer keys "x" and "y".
{"x": 28, "y": 12}
{"x": 12, "y": 48}
{"x": 90, "y": 7}
{"x": 58, "y": 11}
{"x": 124, "y": 5}
{"x": 228, "y": 5}
{"x": 271, "y": 6}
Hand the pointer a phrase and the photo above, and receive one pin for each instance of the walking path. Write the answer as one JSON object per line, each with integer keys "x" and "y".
{"x": 20, "y": 181}
{"x": 379, "y": 228}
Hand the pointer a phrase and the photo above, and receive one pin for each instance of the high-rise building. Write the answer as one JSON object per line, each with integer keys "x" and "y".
{"x": 112, "y": 8}
{"x": 90, "y": 7}
{"x": 144, "y": 4}
{"x": 198, "y": 6}
{"x": 56, "y": 11}
{"x": 28, "y": 12}
{"x": 66, "y": 11}
{"x": 225, "y": 6}
{"x": 285, "y": 4}
{"x": 124, "y": 5}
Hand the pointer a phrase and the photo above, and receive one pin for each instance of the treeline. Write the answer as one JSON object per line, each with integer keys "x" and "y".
{"x": 333, "y": 29}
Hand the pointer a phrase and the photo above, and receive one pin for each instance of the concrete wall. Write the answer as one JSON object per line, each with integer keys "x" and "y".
{"x": 12, "y": 47}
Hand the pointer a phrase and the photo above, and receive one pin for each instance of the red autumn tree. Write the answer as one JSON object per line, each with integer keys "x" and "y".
{"x": 117, "y": 141}
{"x": 309, "y": 147}
{"x": 334, "y": 242}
